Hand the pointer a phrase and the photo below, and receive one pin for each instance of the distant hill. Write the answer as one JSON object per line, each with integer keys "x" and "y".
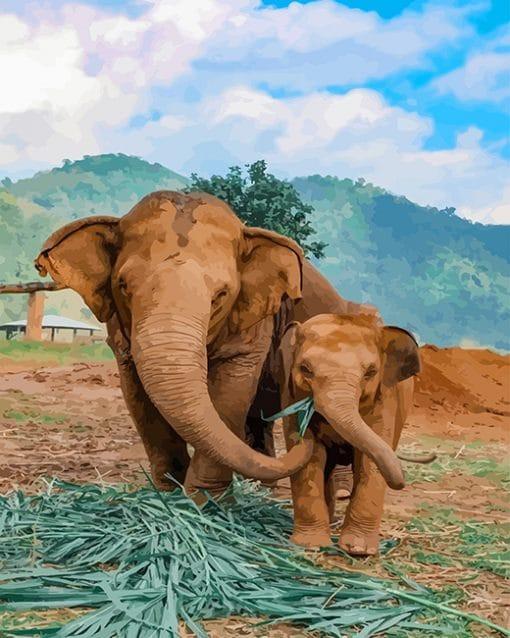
{"x": 30, "y": 209}
{"x": 99, "y": 184}
{"x": 441, "y": 276}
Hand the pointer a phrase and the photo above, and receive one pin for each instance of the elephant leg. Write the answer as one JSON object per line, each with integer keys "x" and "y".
{"x": 165, "y": 449}
{"x": 360, "y": 531}
{"x": 232, "y": 385}
{"x": 331, "y": 481}
{"x": 311, "y": 513}
{"x": 359, "y": 535}
{"x": 344, "y": 481}
{"x": 339, "y": 482}
{"x": 330, "y": 494}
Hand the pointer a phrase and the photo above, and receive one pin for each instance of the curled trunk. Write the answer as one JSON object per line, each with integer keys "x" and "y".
{"x": 418, "y": 458}
{"x": 339, "y": 406}
{"x": 169, "y": 350}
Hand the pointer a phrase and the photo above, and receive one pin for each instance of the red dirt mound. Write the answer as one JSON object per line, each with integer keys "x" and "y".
{"x": 465, "y": 388}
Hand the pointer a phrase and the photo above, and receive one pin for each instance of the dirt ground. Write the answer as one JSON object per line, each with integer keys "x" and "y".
{"x": 449, "y": 527}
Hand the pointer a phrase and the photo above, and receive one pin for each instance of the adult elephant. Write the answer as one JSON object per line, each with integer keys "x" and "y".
{"x": 189, "y": 295}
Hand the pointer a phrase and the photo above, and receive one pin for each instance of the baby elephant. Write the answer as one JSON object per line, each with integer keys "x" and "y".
{"x": 359, "y": 375}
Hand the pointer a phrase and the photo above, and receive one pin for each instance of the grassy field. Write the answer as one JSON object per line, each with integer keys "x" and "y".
{"x": 48, "y": 353}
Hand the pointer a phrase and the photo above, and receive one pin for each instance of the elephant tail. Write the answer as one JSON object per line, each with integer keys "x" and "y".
{"x": 418, "y": 458}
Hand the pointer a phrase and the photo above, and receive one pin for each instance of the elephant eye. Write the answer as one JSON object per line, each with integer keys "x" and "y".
{"x": 219, "y": 296}
{"x": 122, "y": 286}
{"x": 305, "y": 370}
{"x": 370, "y": 372}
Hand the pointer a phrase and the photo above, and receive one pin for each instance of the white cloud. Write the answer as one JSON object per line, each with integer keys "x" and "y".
{"x": 12, "y": 30}
{"x": 42, "y": 68}
{"x": 501, "y": 214}
{"x": 74, "y": 78}
{"x": 319, "y": 44}
{"x": 484, "y": 77}
{"x": 352, "y": 135}
{"x": 261, "y": 109}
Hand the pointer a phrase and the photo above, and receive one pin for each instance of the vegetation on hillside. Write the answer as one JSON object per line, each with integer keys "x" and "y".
{"x": 96, "y": 185}
{"x": 443, "y": 277}
{"x": 428, "y": 270}
{"x": 31, "y": 209}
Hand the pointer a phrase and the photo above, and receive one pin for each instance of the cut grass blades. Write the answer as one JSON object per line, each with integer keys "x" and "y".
{"x": 144, "y": 561}
{"x": 494, "y": 471}
{"x": 481, "y": 545}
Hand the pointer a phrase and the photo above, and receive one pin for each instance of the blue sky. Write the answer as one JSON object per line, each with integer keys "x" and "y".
{"x": 414, "y": 96}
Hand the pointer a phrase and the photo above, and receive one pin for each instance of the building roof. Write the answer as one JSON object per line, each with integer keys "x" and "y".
{"x": 54, "y": 321}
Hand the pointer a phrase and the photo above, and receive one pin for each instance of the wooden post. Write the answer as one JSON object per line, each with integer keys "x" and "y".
{"x": 35, "y": 316}
{"x": 35, "y": 310}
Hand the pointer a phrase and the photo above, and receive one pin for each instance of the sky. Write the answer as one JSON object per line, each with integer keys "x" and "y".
{"x": 412, "y": 96}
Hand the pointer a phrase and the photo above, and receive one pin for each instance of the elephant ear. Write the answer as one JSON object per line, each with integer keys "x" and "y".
{"x": 270, "y": 267}
{"x": 80, "y": 256}
{"x": 401, "y": 355}
{"x": 285, "y": 357}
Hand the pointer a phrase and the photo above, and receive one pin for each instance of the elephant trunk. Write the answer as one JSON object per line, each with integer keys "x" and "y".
{"x": 418, "y": 458}
{"x": 169, "y": 350}
{"x": 338, "y": 404}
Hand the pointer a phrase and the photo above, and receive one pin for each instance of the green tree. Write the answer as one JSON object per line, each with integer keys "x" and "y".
{"x": 261, "y": 199}
{"x": 14, "y": 263}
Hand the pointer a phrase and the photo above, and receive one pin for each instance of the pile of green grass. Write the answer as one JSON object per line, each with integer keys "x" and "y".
{"x": 143, "y": 563}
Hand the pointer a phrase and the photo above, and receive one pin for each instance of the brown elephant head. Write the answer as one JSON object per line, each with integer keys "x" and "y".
{"x": 346, "y": 362}
{"x": 179, "y": 270}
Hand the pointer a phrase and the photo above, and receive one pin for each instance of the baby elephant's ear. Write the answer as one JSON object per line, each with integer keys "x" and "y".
{"x": 401, "y": 355}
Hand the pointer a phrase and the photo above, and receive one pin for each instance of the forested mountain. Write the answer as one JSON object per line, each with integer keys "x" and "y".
{"x": 99, "y": 184}
{"x": 30, "y": 209}
{"x": 443, "y": 277}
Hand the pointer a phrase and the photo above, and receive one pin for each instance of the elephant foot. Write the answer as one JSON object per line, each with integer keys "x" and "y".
{"x": 357, "y": 542}
{"x": 205, "y": 476}
{"x": 201, "y": 495}
{"x": 205, "y": 492}
{"x": 161, "y": 481}
{"x": 311, "y": 538}
{"x": 167, "y": 474}
{"x": 199, "y": 498}
{"x": 163, "y": 485}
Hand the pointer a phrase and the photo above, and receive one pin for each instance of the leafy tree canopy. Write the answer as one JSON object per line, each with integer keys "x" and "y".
{"x": 261, "y": 199}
